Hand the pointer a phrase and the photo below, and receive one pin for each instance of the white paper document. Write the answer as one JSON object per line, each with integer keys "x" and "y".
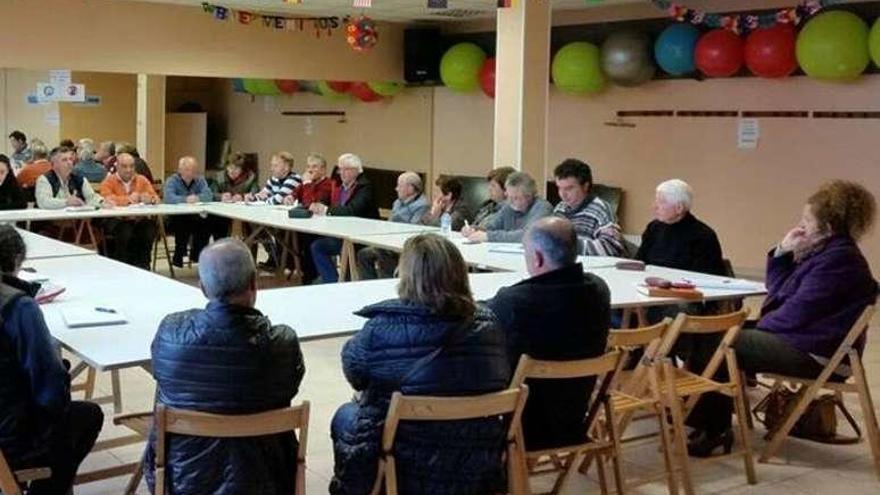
{"x": 91, "y": 315}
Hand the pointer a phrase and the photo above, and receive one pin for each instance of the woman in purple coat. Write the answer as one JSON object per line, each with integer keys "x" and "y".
{"x": 818, "y": 284}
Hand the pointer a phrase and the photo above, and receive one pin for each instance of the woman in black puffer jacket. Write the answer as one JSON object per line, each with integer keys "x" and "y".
{"x": 433, "y": 340}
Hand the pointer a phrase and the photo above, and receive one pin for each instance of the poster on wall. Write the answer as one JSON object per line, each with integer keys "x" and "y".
{"x": 48, "y": 92}
{"x": 748, "y": 134}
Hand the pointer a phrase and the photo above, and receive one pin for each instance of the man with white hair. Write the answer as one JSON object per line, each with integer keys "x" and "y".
{"x": 351, "y": 197}
{"x": 523, "y": 208}
{"x": 409, "y": 207}
{"x": 227, "y": 358}
{"x": 86, "y": 165}
{"x": 188, "y": 188}
{"x": 676, "y": 238}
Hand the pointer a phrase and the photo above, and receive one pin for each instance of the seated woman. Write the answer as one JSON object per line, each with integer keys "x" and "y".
{"x": 11, "y": 196}
{"x": 433, "y": 340}
{"x": 818, "y": 284}
{"x": 496, "y": 178}
{"x": 447, "y": 199}
{"x": 231, "y": 185}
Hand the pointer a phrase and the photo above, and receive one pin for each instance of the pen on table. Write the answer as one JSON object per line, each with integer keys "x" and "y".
{"x": 105, "y": 310}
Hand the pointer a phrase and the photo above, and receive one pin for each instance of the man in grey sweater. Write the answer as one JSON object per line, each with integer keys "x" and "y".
{"x": 409, "y": 207}
{"x": 523, "y": 208}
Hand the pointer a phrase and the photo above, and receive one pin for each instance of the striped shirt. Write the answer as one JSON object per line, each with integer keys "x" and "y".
{"x": 596, "y": 227}
{"x": 278, "y": 189}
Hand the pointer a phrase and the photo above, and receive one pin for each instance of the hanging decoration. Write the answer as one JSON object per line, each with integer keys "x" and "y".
{"x": 321, "y": 25}
{"x": 743, "y": 22}
{"x": 361, "y": 33}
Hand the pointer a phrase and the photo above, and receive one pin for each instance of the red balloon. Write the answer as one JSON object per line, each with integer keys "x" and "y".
{"x": 339, "y": 86}
{"x": 363, "y": 92}
{"x": 487, "y": 77}
{"x": 287, "y": 86}
{"x": 719, "y": 53}
{"x": 770, "y": 52}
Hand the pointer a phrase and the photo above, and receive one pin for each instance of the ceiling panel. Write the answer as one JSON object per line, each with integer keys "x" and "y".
{"x": 387, "y": 10}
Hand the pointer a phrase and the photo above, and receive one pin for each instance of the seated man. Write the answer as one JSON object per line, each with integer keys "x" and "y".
{"x": 227, "y": 359}
{"x": 131, "y": 238}
{"x": 409, "y": 207}
{"x": 28, "y": 175}
{"x": 140, "y": 166}
{"x": 106, "y": 155}
{"x": 317, "y": 186}
{"x": 60, "y": 187}
{"x": 447, "y": 199}
{"x": 21, "y": 154}
{"x": 523, "y": 208}
{"x": 279, "y": 189}
{"x": 186, "y": 187}
{"x": 676, "y": 238}
{"x": 352, "y": 197}
{"x": 559, "y": 314}
{"x": 593, "y": 219}
{"x": 86, "y": 165}
{"x": 39, "y": 425}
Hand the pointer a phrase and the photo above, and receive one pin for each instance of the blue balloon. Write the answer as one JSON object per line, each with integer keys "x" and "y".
{"x": 238, "y": 85}
{"x": 674, "y": 49}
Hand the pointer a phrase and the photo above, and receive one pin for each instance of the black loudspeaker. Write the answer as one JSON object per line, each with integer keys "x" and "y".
{"x": 421, "y": 58}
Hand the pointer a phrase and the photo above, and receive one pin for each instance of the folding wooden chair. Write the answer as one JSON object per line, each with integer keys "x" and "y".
{"x": 427, "y": 408}
{"x": 639, "y": 390}
{"x": 183, "y": 422}
{"x": 599, "y": 443}
{"x": 809, "y": 389}
{"x": 679, "y": 384}
{"x": 11, "y": 481}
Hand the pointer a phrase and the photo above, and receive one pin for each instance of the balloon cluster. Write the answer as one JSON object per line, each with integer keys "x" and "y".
{"x": 361, "y": 33}
{"x": 333, "y": 90}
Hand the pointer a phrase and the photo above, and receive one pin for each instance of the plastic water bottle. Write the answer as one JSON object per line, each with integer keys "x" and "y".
{"x": 445, "y": 223}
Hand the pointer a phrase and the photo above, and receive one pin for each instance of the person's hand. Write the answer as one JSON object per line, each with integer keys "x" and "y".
{"x": 467, "y": 230}
{"x": 318, "y": 208}
{"x": 149, "y": 199}
{"x": 226, "y": 197}
{"x": 109, "y": 203}
{"x": 796, "y": 240}
{"x": 262, "y": 196}
{"x": 476, "y": 236}
{"x": 134, "y": 198}
{"x": 437, "y": 207}
{"x": 74, "y": 201}
{"x": 288, "y": 200}
{"x": 192, "y": 199}
{"x": 307, "y": 177}
{"x": 249, "y": 197}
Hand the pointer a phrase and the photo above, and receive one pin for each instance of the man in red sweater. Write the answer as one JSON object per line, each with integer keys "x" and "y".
{"x": 316, "y": 186}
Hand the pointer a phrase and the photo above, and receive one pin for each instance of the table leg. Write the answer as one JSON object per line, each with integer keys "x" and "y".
{"x": 164, "y": 236}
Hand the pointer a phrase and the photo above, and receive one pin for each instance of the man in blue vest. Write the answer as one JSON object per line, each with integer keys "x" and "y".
{"x": 60, "y": 187}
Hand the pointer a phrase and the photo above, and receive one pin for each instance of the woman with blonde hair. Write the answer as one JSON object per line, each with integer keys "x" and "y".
{"x": 432, "y": 340}
{"x": 818, "y": 284}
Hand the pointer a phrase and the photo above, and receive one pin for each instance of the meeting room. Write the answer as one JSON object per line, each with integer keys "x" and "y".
{"x": 444, "y": 247}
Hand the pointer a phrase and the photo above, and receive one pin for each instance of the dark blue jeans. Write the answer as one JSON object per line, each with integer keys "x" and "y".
{"x": 323, "y": 250}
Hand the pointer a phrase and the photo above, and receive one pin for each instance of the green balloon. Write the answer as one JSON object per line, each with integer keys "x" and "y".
{"x": 329, "y": 92}
{"x": 261, "y": 87}
{"x": 385, "y": 88}
{"x": 833, "y": 46}
{"x": 874, "y": 42}
{"x": 460, "y": 67}
{"x": 577, "y": 69}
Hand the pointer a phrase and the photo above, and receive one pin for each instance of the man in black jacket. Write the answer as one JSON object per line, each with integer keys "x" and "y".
{"x": 39, "y": 424}
{"x": 226, "y": 359}
{"x": 559, "y": 314}
{"x": 351, "y": 197}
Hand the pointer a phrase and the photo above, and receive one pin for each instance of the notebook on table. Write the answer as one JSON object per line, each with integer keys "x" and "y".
{"x": 91, "y": 315}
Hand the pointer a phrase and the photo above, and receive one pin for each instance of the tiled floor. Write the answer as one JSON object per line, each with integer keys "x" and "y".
{"x": 802, "y": 468}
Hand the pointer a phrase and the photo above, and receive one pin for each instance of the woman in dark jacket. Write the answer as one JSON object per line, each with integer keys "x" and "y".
{"x": 11, "y": 197}
{"x": 433, "y": 340}
{"x": 818, "y": 284}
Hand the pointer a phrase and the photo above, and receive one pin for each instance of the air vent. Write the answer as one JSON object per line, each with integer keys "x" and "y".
{"x": 461, "y": 13}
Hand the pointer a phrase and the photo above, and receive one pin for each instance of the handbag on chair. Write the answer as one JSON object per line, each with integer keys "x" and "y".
{"x": 818, "y": 422}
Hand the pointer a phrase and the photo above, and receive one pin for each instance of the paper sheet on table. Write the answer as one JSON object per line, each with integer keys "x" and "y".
{"x": 508, "y": 248}
{"x": 81, "y": 208}
{"x": 91, "y": 315}
{"x": 725, "y": 284}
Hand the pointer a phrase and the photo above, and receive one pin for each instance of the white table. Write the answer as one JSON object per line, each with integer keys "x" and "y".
{"x": 39, "y": 247}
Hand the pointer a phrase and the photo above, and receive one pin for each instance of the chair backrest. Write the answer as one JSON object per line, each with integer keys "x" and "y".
{"x": 429, "y": 408}
{"x": 8, "y": 483}
{"x": 648, "y": 340}
{"x": 727, "y": 324}
{"x": 849, "y": 343}
{"x": 606, "y": 366}
{"x": 183, "y": 422}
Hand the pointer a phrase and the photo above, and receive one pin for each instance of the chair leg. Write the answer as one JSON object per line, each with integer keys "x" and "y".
{"x": 744, "y": 433}
{"x": 90, "y": 383}
{"x": 742, "y": 390}
{"x": 807, "y": 394}
{"x": 666, "y": 446}
{"x": 868, "y": 413}
{"x": 600, "y": 470}
{"x": 675, "y": 406}
{"x": 616, "y": 462}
